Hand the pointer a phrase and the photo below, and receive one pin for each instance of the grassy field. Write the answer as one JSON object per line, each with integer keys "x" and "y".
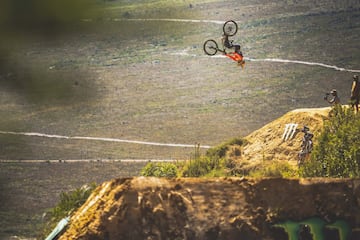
{"x": 151, "y": 81}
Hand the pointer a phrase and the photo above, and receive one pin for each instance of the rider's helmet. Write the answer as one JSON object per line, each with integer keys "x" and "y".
{"x": 356, "y": 77}
{"x": 333, "y": 92}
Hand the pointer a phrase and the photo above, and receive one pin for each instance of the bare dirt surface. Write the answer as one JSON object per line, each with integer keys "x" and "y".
{"x": 230, "y": 208}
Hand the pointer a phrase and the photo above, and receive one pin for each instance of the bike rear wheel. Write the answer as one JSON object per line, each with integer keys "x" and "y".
{"x": 230, "y": 28}
{"x": 210, "y": 47}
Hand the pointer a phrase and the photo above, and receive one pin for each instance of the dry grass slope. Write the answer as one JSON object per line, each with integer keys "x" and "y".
{"x": 266, "y": 143}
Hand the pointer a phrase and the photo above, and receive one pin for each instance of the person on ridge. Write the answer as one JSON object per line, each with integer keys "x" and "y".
{"x": 335, "y": 100}
{"x": 355, "y": 93}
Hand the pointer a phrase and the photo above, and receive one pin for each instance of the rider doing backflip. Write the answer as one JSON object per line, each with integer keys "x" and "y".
{"x": 210, "y": 46}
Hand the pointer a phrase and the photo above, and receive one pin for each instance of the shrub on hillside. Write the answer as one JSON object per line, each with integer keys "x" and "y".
{"x": 281, "y": 169}
{"x": 221, "y": 150}
{"x": 200, "y": 166}
{"x": 213, "y": 164}
{"x": 161, "y": 169}
{"x": 69, "y": 202}
{"x": 337, "y": 153}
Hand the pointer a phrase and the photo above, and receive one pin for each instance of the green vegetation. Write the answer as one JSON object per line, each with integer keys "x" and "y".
{"x": 282, "y": 169}
{"x": 68, "y": 203}
{"x": 213, "y": 164}
{"x": 337, "y": 153}
{"x": 162, "y": 169}
{"x": 204, "y": 166}
{"x": 220, "y": 161}
{"x": 221, "y": 150}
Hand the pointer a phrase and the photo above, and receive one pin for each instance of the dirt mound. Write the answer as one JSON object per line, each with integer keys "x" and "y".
{"x": 267, "y": 143}
{"x": 230, "y": 208}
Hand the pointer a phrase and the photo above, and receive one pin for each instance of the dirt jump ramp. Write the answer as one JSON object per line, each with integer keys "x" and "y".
{"x": 220, "y": 208}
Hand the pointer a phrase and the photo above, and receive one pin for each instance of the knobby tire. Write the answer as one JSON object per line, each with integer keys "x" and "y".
{"x": 210, "y": 47}
{"x": 230, "y": 28}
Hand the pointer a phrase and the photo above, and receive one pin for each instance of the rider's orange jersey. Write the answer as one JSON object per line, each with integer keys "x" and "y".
{"x": 235, "y": 56}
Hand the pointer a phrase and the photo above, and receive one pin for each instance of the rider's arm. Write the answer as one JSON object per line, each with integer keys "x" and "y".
{"x": 226, "y": 42}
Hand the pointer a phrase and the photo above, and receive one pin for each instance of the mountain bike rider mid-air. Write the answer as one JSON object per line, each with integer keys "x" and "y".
{"x": 237, "y": 54}
{"x": 211, "y": 47}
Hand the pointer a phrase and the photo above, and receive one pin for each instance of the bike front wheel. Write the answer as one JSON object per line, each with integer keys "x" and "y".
{"x": 230, "y": 28}
{"x": 210, "y": 47}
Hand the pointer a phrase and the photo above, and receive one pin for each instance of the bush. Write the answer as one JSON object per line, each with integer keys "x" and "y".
{"x": 161, "y": 169}
{"x": 337, "y": 153}
{"x": 207, "y": 167}
{"x": 198, "y": 167}
{"x": 213, "y": 164}
{"x": 68, "y": 203}
{"x": 221, "y": 150}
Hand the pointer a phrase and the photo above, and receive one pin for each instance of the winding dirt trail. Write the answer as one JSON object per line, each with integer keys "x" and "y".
{"x": 35, "y": 134}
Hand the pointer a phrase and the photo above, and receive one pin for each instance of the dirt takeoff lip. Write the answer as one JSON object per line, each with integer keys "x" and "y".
{"x": 218, "y": 208}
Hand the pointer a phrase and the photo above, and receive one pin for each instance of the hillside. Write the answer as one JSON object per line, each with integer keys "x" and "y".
{"x": 268, "y": 139}
{"x": 209, "y": 209}
{"x": 228, "y": 208}
{"x": 267, "y": 143}
{"x": 127, "y": 78}
{"x": 136, "y": 70}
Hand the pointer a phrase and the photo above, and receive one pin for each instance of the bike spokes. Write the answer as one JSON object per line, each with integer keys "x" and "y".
{"x": 210, "y": 47}
{"x": 230, "y": 28}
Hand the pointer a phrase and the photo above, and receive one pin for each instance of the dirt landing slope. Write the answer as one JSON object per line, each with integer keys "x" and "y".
{"x": 224, "y": 208}
{"x": 266, "y": 143}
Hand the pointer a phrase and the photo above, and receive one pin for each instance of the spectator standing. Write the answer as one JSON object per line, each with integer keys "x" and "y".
{"x": 355, "y": 93}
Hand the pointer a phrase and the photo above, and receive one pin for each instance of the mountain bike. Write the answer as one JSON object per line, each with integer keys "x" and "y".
{"x": 211, "y": 47}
